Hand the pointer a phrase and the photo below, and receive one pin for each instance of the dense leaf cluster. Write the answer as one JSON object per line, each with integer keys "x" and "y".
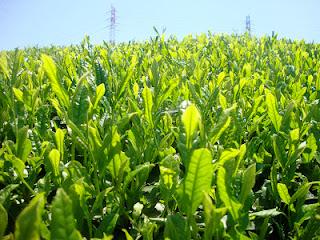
{"x": 210, "y": 137}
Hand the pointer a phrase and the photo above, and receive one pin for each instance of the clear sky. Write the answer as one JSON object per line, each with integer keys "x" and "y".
{"x": 44, "y": 22}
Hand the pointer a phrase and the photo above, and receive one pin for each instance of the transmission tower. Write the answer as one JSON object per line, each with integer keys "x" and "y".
{"x": 248, "y": 24}
{"x": 112, "y": 26}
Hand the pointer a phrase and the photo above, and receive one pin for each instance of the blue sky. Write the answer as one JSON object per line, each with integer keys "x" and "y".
{"x": 44, "y": 22}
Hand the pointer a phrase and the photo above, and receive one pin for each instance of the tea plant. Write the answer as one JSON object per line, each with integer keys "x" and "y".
{"x": 211, "y": 137}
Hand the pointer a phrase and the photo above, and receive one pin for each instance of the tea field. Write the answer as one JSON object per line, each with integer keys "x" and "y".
{"x": 208, "y": 137}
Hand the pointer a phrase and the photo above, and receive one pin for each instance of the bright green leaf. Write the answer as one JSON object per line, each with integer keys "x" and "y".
{"x": 283, "y": 193}
{"x": 57, "y": 87}
{"x": 197, "y": 180}
{"x": 191, "y": 119}
{"x": 148, "y": 104}
{"x": 222, "y": 101}
{"x": 128, "y": 236}
{"x": 100, "y": 91}
{"x": 29, "y": 220}
{"x": 311, "y": 149}
{"x": 54, "y": 157}
{"x": 221, "y": 76}
{"x": 59, "y": 138}
{"x": 273, "y": 114}
{"x": 221, "y": 126}
{"x": 63, "y": 222}
{"x": 228, "y": 154}
{"x": 18, "y": 94}
{"x": 266, "y": 213}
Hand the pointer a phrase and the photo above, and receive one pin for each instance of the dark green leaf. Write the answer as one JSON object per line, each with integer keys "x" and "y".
{"x": 177, "y": 228}
{"x": 225, "y": 194}
{"x": 248, "y": 181}
{"x": 3, "y": 220}
{"x": 29, "y": 220}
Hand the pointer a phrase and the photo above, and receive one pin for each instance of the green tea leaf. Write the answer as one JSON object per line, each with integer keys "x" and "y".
{"x": 222, "y": 101}
{"x": 18, "y": 94}
{"x": 214, "y": 226}
{"x": 18, "y": 165}
{"x": 118, "y": 166}
{"x": 228, "y": 154}
{"x": 3, "y": 220}
{"x": 311, "y": 149}
{"x": 247, "y": 182}
{"x": 221, "y": 76}
{"x": 301, "y": 192}
{"x": 296, "y": 154}
{"x": 6, "y": 191}
{"x": 240, "y": 157}
{"x": 80, "y": 106}
{"x": 59, "y": 138}
{"x": 191, "y": 119}
{"x": 109, "y": 222}
{"x": 283, "y": 193}
{"x": 266, "y": 213}
{"x": 169, "y": 172}
{"x": 177, "y": 228}
{"x": 128, "y": 179}
{"x": 57, "y": 87}
{"x": 208, "y": 216}
{"x": 4, "y": 65}
{"x": 148, "y": 104}
{"x": 63, "y": 222}
{"x": 279, "y": 150}
{"x": 128, "y": 236}
{"x": 130, "y": 72}
{"x": 221, "y": 126}
{"x": 246, "y": 71}
{"x": 197, "y": 180}
{"x": 100, "y": 91}
{"x": 29, "y": 220}
{"x": 312, "y": 228}
{"x": 23, "y": 145}
{"x": 225, "y": 194}
{"x": 99, "y": 199}
{"x": 76, "y": 132}
{"x": 54, "y": 157}
{"x": 273, "y": 114}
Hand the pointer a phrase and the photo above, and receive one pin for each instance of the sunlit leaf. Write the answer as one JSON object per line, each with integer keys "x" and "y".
{"x": 100, "y": 91}
{"x": 54, "y": 157}
{"x": 191, "y": 119}
{"x": 197, "y": 180}
{"x": 273, "y": 113}
{"x": 57, "y": 87}
{"x": 283, "y": 193}
{"x": 148, "y": 104}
